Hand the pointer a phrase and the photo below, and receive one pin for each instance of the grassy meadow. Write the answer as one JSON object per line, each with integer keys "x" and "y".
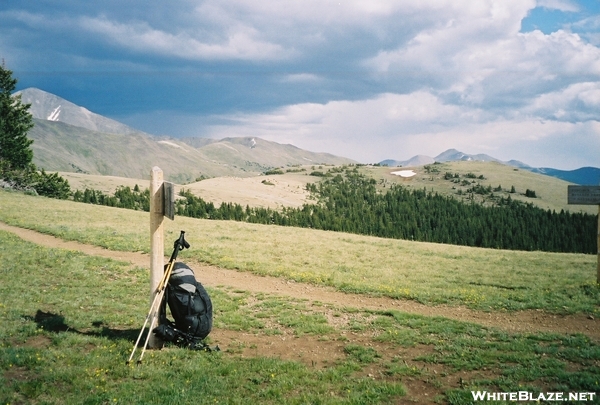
{"x": 551, "y": 192}
{"x": 483, "y": 279}
{"x": 69, "y": 321}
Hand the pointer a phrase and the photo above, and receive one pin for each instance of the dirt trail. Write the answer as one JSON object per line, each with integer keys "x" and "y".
{"x": 523, "y": 321}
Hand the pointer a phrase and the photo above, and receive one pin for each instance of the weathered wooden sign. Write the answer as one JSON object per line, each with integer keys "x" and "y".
{"x": 583, "y": 195}
{"x": 169, "y": 200}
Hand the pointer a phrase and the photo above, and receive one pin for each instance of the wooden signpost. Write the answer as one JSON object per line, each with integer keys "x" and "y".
{"x": 587, "y": 195}
{"x": 162, "y": 204}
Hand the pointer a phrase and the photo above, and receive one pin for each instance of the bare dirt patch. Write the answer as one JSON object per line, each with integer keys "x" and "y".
{"x": 35, "y": 342}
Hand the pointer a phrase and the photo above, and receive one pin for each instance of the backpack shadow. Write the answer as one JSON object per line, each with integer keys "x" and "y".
{"x": 55, "y": 323}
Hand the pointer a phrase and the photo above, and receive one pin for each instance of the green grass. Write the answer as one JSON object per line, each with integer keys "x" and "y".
{"x": 69, "y": 321}
{"x": 483, "y": 279}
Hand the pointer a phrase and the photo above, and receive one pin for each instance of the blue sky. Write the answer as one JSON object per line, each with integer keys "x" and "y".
{"x": 369, "y": 80}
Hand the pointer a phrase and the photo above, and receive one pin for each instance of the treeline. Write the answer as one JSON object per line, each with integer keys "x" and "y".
{"x": 349, "y": 202}
{"x": 124, "y": 197}
{"x": 352, "y": 204}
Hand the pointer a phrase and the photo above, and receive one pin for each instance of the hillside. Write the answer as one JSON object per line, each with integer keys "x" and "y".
{"x": 583, "y": 175}
{"x": 70, "y": 138}
{"x": 551, "y": 192}
{"x": 274, "y": 191}
{"x": 288, "y": 190}
{"x": 62, "y": 147}
{"x": 291, "y": 305}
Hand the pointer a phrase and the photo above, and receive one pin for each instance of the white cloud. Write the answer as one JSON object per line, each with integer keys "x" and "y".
{"x": 32, "y": 19}
{"x": 240, "y": 42}
{"x": 492, "y": 70}
{"x": 401, "y": 126}
{"x": 562, "y": 5}
{"x": 423, "y": 75}
{"x": 577, "y": 102}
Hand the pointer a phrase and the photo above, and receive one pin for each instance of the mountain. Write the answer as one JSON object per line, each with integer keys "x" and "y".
{"x": 452, "y": 155}
{"x": 583, "y": 176}
{"x": 47, "y": 106}
{"x": 589, "y": 176}
{"x": 71, "y": 138}
{"x": 418, "y": 160}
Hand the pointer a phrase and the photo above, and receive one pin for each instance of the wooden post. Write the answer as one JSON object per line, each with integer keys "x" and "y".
{"x": 157, "y": 246}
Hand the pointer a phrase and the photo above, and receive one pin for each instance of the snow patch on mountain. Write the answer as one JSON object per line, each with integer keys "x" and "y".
{"x": 54, "y": 114}
{"x": 170, "y": 144}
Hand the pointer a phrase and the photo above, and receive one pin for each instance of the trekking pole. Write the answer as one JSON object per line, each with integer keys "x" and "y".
{"x": 159, "y": 293}
{"x": 160, "y": 290}
{"x": 150, "y": 314}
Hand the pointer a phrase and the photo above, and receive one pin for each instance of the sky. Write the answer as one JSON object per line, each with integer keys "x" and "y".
{"x": 364, "y": 79}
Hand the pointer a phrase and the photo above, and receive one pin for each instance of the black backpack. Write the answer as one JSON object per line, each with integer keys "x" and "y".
{"x": 190, "y": 306}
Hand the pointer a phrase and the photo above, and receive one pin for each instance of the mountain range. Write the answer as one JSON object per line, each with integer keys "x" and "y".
{"x": 70, "y": 138}
{"x": 583, "y": 175}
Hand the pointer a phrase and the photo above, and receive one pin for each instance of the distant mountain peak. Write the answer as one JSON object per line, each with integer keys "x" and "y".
{"x": 454, "y": 155}
{"x": 49, "y": 107}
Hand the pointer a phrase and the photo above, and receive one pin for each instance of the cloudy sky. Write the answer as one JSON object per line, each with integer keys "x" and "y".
{"x": 365, "y": 79}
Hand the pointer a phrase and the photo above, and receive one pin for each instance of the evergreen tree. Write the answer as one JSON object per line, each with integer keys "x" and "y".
{"x": 15, "y": 122}
{"x": 51, "y": 185}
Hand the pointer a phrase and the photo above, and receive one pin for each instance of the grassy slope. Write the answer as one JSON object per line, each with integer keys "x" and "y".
{"x": 551, "y": 192}
{"x": 65, "y": 341}
{"x": 287, "y": 190}
{"x": 63, "y": 147}
{"x": 429, "y": 273}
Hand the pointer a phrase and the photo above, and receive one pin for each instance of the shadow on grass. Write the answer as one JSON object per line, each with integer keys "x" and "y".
{"x": 56, "y": 323}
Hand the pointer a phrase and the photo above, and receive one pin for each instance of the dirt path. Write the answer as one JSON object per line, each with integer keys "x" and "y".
{"x": 523, "y": 321}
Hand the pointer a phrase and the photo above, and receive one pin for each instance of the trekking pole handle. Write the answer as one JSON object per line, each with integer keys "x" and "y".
{"x": 182, "y": 242}
{"x": 179, "y": 244}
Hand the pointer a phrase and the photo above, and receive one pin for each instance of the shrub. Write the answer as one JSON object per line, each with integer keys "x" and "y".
{"x": 51, "y": 185}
